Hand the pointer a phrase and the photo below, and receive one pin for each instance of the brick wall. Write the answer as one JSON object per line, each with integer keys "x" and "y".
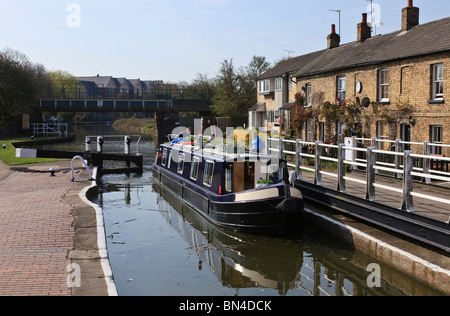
{"x": 410, "y": 81}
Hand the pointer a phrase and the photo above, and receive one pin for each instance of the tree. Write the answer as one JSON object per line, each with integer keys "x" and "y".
{"x": 236, "y": 89}
{"x": 227, "y": 100}
{"x": 65, "y": 85}
{"x": 20, "y": 83}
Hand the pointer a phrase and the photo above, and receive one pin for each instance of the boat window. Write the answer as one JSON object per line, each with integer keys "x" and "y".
{"x": 180, "y": 167}
{"x": 229, "y": 180}
{"x": 208, "y": 174}
{"x": 194, "y": 168}
{"x": 164, "y": 158}
{"x": 170, "y": 159}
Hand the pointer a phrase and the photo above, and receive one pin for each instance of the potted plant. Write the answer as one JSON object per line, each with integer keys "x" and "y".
{"x": 263, "y": 183}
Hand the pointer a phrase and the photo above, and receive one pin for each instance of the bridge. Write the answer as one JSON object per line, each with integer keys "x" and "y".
{"x": 164, "y": 100}
{"x": 154, "y": 100}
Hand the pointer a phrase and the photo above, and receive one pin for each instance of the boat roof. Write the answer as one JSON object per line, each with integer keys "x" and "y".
{"x": 218, "y": 153}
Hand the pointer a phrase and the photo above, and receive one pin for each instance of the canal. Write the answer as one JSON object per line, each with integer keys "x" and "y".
{"x": 158, "y": 246}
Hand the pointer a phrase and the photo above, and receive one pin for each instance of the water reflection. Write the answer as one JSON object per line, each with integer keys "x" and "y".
{"x": 308, "y": 264}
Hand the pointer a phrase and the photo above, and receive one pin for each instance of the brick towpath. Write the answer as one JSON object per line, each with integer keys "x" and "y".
{"x": 36, "y": 234}
{"x": 44, "y": 227}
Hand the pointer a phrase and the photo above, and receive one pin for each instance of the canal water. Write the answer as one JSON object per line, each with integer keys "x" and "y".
{"x": 159, "y": 246}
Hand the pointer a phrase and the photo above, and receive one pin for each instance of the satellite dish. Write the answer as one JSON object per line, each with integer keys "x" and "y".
{"x": 365, "y": 102}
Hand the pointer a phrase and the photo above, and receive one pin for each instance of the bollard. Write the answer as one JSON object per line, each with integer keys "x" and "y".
{"x": 127, "y": 145}
{"x": 88, "y": 144}
{"x": 100, "y": 142}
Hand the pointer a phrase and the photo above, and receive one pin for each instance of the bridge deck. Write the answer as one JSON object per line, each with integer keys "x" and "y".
{"x": 424, "y": 207}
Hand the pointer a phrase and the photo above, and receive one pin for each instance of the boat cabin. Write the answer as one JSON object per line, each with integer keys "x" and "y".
{"x": 217, "y": 171}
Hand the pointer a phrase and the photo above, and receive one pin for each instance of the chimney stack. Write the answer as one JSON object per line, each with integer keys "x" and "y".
{"x": 364, "y": 30}
{"x": 334, "y": 40}
{"x": 410, "y": 16}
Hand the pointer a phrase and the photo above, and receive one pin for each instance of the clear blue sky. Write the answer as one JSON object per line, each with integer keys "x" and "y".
{"x": 173, "y": 40}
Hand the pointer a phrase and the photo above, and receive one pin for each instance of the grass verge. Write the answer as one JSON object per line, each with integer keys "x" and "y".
{"x": 8, "y": 155}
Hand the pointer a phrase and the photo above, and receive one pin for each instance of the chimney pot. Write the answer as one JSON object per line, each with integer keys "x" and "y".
{"x": 410, "y": 3}
{"x": 364, "y": 18}
{"x": 333, "y": 28}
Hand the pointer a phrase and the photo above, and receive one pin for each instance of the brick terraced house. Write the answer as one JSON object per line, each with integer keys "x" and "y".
{"x": 392, "y": 86}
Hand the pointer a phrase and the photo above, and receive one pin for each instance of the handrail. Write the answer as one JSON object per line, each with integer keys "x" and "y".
{"x": 85, "y": 166}
{"x": 406, "y": 171}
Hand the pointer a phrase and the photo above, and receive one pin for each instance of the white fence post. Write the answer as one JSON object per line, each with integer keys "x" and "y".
{"x": 370, "y": 172}
{"x": 318, "y": 164}
{"x": 298, "y": 159}
{"x": 341, "y": 168}
{"x": 427, "y": 162}
{"x": 408, "y": 184}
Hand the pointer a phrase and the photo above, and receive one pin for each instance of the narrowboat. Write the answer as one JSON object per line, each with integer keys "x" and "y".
{"x": 244, "y": 192}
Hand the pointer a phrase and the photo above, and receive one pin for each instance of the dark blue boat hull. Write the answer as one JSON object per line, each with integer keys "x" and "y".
{"x": 265, "y": 216}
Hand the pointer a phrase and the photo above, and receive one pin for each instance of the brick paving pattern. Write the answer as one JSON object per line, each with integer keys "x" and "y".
{"x": 36, "y": 235}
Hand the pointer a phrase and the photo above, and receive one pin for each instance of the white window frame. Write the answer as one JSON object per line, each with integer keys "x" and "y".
{"x": 181, "y": 160}
{"x": 164, "y": 157}
{"x": 205, "y": 173}
{"x": 271, "y": 117}
{"x": 264, "y": 86}
{"x": 438, "y": 80}
{"x": 436, "y": 138}
{"x": 229, "y": 179}
{"x": 308, "y": 90}
{"x": 382, "y": 84}
{"x": 341, "y": 87}
{"x": 278, "y": 84}
{"x": 194, "y": 163}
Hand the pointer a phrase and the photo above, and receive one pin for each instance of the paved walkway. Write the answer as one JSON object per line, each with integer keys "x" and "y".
{"x": 38, "y": 233}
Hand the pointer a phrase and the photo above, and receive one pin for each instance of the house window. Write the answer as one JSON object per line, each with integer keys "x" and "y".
{"x": 278, "y": 84}
{"x": 308, "y": 95}
{"x": 194, "y": 168}
{"x": 291, "y": 84}
{"x": 208, "y": 174}
{"x": 438, "y": 82}
{"x": 436, "y": 138}
{"x": 264, "y": 86}
{"x": 271, "y": 117}
{"x": 341, "y": 82}
{"x": 383, "y": 88}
